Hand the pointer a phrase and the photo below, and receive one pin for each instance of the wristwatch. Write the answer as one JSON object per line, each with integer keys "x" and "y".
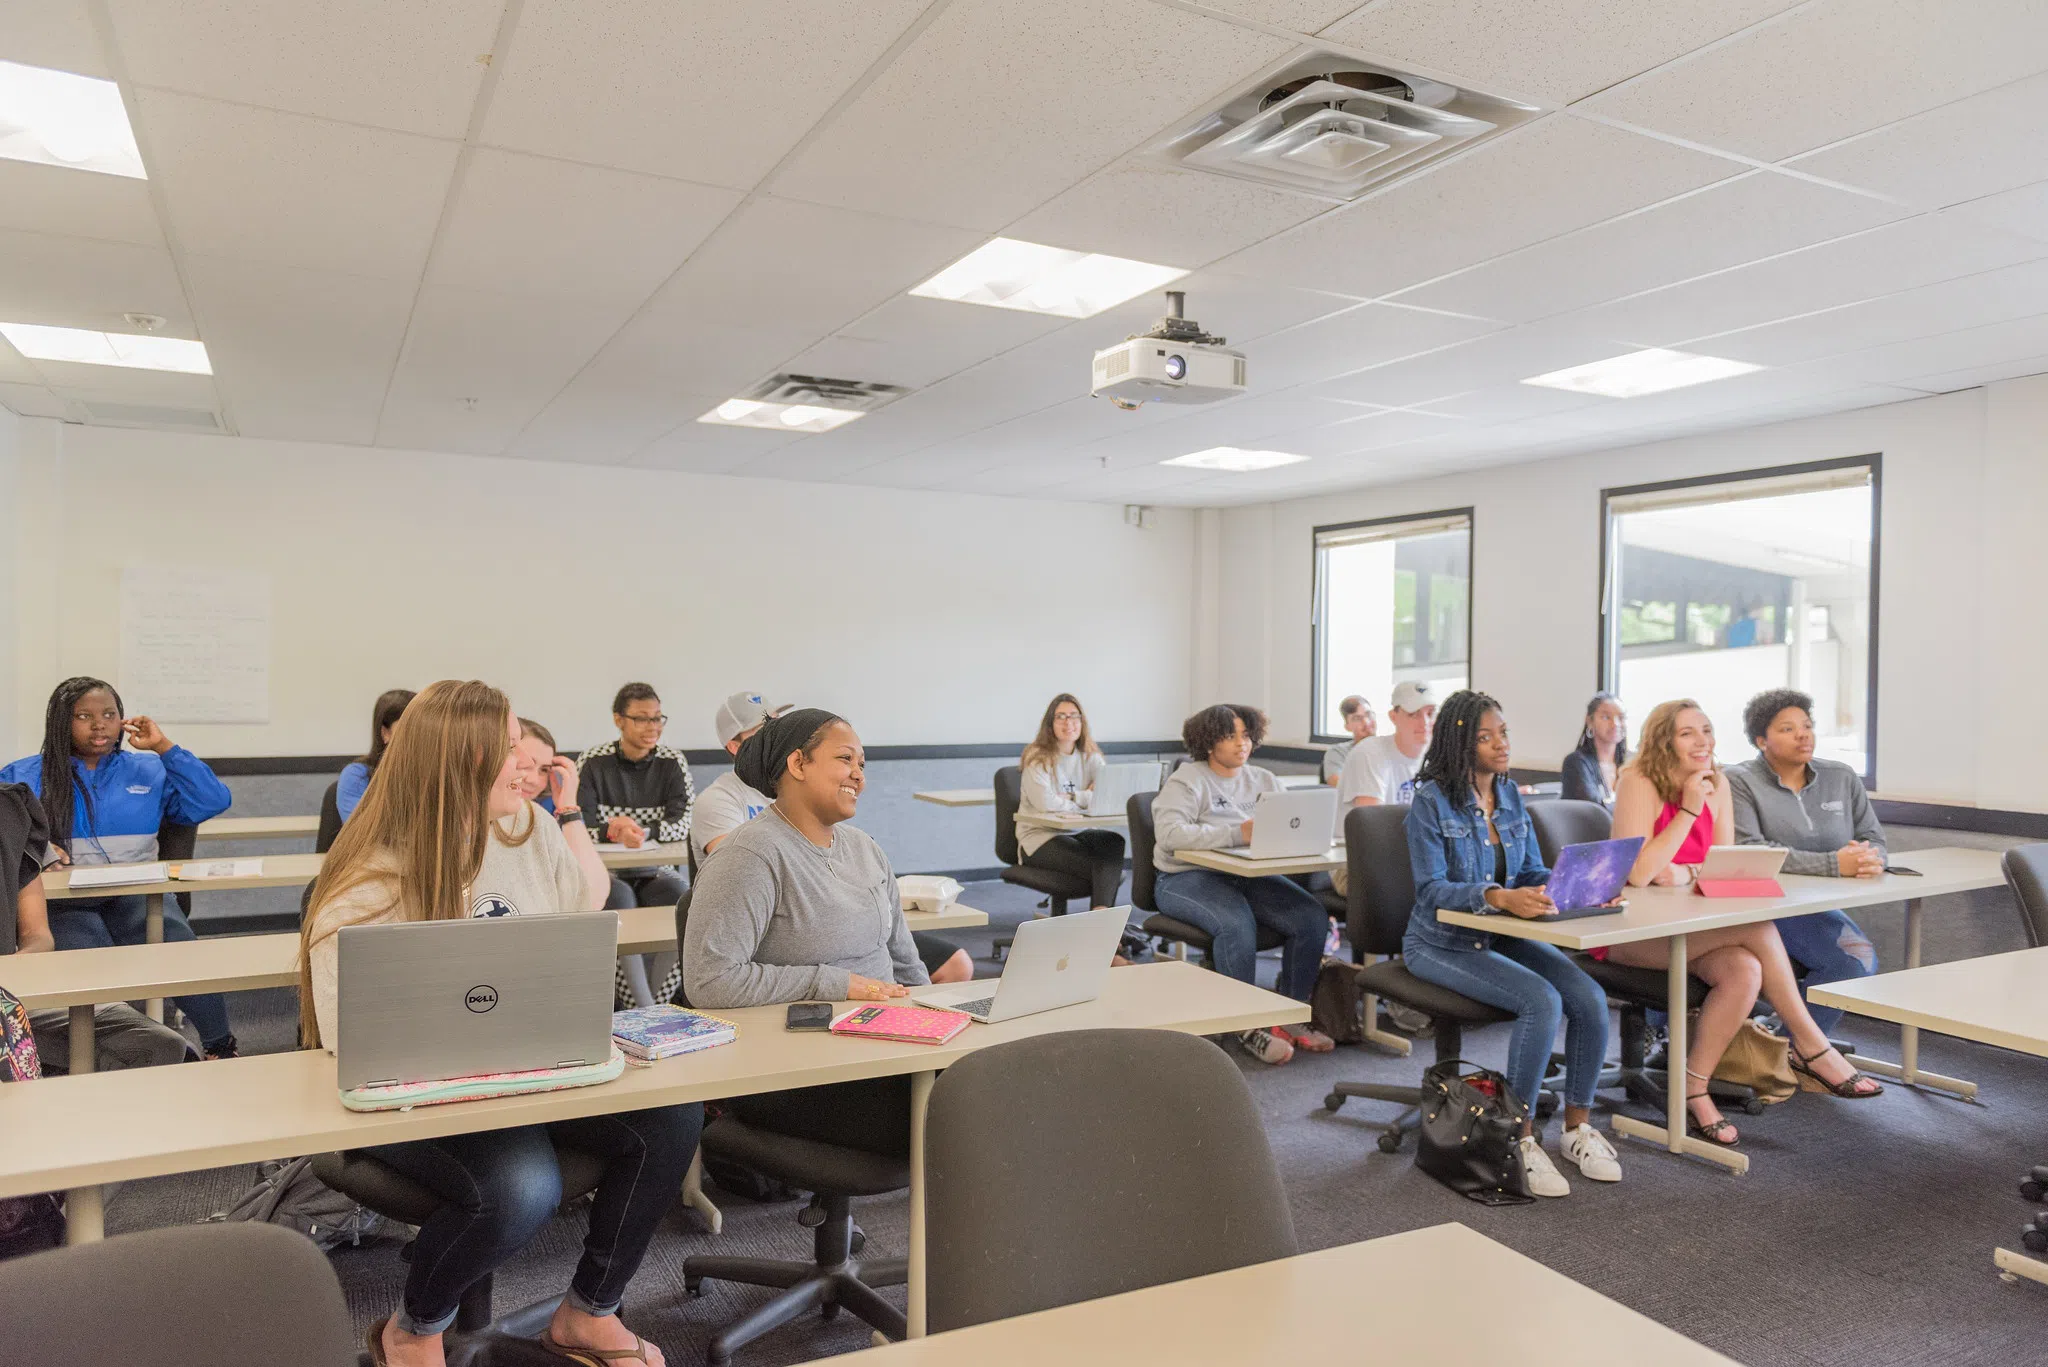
{"x": 568, "y": 814}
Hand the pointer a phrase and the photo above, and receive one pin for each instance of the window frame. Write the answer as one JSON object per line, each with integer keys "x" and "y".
{"x": 1315, "y": 599}
{"x": 1607, "y": 667}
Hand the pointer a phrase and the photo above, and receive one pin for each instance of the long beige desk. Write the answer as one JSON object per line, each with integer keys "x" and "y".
{"x": 1391, "y": 1300}
{"x": 1997, "y": 1000}
{"x": 1230, "y": 861}
{"x": 958, "y": 797}
{"x": 79, "y": 1132}
{"x": 1074, "y": 821}
{"x": 259, "y": 827}
{"x": 1673, "y": 913}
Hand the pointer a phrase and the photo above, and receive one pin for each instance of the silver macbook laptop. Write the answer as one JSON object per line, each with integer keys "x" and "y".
{"x": 1117, "y": 784}
{"x": 1292, "y": 823}
{"x": 423, "y": 1001}
{"x": 1057, "y": 961}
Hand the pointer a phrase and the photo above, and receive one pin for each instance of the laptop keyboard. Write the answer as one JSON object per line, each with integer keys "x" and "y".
{"x": 974, "y": 1008}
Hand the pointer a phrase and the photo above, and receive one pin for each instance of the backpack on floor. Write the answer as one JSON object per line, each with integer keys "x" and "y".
{"x": 28, "y": 1224}
{"x": 1336, "y": 1006}
{"x": 287, "y": 1193}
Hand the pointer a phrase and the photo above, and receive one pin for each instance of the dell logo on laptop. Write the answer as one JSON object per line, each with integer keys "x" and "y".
{"x": 480, "y": 998}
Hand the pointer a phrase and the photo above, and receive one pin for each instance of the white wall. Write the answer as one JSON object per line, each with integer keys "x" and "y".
{"x": 925, "y": 618}
{"x": 10, "y": 499}
{"x": 1962, "y": 653}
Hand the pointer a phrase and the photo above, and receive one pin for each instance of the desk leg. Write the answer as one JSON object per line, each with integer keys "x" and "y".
{"x": 153, "y": 933}
{"x": 1907, "y": 1069}
{"x": 81, "y": 1030}
{"x": 1671, "y": 1134}
{"x": 2012, "y": 1266}
{"x": 1369, "y": 1014}
{"x": 694, "y": 1197}
{"x": 920, "y": 1102}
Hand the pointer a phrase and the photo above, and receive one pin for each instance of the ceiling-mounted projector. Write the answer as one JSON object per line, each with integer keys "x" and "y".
{"x": 1176, "y": 362}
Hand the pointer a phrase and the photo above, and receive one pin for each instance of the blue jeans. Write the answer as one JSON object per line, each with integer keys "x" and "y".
{"x": 97, "y": 922}
{"x": 1540, "y": 985}
{"x": 501, "y": 1186}
{"x": 1831, "y": 948}
{"x": 1230, "y": 911}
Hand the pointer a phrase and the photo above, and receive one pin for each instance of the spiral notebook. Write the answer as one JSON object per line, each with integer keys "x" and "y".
{"x": 906, "y": 1024}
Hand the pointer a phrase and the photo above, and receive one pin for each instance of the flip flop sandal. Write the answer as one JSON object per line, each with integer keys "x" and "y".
{"x": 376, "y": 1343}
{"x": 1802, "y": 1064}
{"x": 593, "y": 1357}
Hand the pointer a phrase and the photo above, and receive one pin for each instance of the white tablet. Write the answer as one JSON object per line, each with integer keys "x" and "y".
{"x": 1743, "y": 861}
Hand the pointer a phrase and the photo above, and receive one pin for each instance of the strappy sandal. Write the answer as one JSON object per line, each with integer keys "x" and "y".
{"x": 594, "y": 1357}
{"x": 1802, "y": 1064}
{"x": 1710, "y": 1133}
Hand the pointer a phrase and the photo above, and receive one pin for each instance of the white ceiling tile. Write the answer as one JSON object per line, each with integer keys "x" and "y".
{"x": 478, "y": 366}
{"x": 1499, "y": 358}
{"x": 258, "y": 185}
{"x": 57, "y": 199}
{"x": 672, "y": 350}
{"x": 1979, "y": 348}
{"x": 1979, "y": 146}
{"x": 115, "y": 384}
{"x": 676, "y": 452}
{"x": 1557, "y": 50}
{"x": 388, "y": 63}
{"x": 299, "y": 354}
{"x": 1929, "y": 311}
{"x": 1510, "y": 403}
{"x": 30, "y": 400}
{"x": 1887, "y": 260}
{"x": 15, "y": 368}
{"x": 2024, "y": 211}
{"x": 1724, "y": 225}
{"x": 1238, "y": 309}
{"x": 1371, "y": 432}
{"x": 1263, "y": 423}
{"x": 81, "y": 283}
{"x": 1369, "y": 335}
{"x": 614, "y": 408}
{"x": 1176, "y": 218}
{"x": 1001, "y": 104}
{"x": 1835, "y": 69}
{"x": 1543, "y": 179}
{"x": 540, "y": 226}
{"x": 1303, "y": 16}
{"x": 715, "y": 91}
{"x": 53, "y": 33}
{"x": 1972, "y": 376}
{"x": 916, "y": 342}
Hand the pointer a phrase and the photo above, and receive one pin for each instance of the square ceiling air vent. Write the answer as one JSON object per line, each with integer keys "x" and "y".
{"x": 1323, "y": 124}
{"x": 863, "y": 396}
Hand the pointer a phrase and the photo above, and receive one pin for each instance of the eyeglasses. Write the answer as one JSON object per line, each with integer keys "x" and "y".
{"x": 645, "y": 721}
{"x": 1066, "y": 716}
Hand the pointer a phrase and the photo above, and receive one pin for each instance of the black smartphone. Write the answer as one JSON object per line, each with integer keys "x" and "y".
{"x": 809, "y": 1016}
{"x": 1909, "y": 873}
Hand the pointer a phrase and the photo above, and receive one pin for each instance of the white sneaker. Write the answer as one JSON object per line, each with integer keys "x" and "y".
{"x": 1544, "y": 1178}
{"x": 1265, "y": 1046}
{"x": 1589, "y": 1148}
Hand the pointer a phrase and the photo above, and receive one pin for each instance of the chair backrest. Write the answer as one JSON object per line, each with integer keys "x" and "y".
{"x": 1568, "y": 821}
{"x": 1381, "y": 889}
{"x": 2026, "y": 873}
{"x": 114, "y": 1301}
{"x": 1144, "y": 876}
{"x": 330, "y": 819}
{"x": 681, "y": 996}
{"x": 1084, "y": 1163}
{"x": 175, "y": 842}
{"x": 1009, "y": 797}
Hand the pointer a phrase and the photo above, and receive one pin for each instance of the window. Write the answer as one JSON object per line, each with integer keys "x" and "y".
{"x": 1719, "y": 589}
{"x": 1393, "y": 602}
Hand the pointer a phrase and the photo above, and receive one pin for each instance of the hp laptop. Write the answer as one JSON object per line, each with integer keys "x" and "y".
{"x": 426, "y": 1001}
{"x": 1058, "y": 961}
{"x": 1292, "y": 823}
{"x": 1589, "y": 876}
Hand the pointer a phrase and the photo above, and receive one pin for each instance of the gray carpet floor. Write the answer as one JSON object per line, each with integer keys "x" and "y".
{"x": 1862, "y": 1234}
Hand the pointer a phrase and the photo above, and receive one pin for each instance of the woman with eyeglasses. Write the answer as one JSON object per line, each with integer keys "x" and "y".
{"x": 1060, "y": 768}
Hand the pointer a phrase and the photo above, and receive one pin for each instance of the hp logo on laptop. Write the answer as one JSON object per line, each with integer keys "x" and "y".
{"x": 1294, "y": 824}
{"x": 480, "y": 998}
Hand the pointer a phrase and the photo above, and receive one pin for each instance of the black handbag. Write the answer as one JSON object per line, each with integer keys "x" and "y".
{"x": 1471, "y": 1120}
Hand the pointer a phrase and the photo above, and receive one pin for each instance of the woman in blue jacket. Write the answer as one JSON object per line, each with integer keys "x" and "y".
{"x": 104, "y": 805}
{"x": 1473, "y": 848}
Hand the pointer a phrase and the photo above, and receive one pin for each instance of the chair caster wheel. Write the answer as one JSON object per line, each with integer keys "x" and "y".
{"x": 693, "y": 1287}
{"x": 2036, "y": 1240}
{"x": 859, "y": 1240}
{"x": 1390, "y": 1143}
{"x": 1753, "y": 1106}
{"x": 1332, "y": 1102}
{"x": 2033, "y": 1190}
{"x": 829, "y": 1310}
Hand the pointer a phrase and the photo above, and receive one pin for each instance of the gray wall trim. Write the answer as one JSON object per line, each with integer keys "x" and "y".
{"x": 238, "y": 765}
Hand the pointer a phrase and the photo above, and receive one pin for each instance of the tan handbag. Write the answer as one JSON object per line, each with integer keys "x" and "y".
{"x": 1759, "y": 1060}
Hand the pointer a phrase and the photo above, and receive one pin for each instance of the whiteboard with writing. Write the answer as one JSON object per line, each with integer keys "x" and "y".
{"x": 195, "y": 644}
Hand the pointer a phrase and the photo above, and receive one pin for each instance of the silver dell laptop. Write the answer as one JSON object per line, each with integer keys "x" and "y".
{"x": 1057, "y": 961}
{"x": 424, "y": 1001}
{"x": 1117, "y": 784}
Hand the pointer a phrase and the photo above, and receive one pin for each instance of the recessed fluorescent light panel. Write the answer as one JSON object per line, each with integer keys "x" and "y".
{"x": 1234, "y": 459}
{"x": 1009, "y": 274}
{"x": 780, "y": 417}
{"x": 1642, "y": 372}
{"x": 59, "y": 118}
{"x": 135, "y": 352}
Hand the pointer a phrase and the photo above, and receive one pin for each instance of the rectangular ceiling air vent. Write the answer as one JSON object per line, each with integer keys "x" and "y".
{"x": 145, "y": 415}
{"x": 863, "y": 396}
{"x": 1322, "y": 124}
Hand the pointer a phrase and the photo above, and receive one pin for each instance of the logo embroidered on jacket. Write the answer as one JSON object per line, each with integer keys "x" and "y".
{"x": 139, "y": 789}
{"x": 490, "y": 904}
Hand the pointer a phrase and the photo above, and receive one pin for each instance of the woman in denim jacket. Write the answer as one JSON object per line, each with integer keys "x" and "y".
{"x": 1473, "y": 848}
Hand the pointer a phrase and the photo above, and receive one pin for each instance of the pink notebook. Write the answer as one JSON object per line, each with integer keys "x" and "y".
{"x": 908, "y": 1024}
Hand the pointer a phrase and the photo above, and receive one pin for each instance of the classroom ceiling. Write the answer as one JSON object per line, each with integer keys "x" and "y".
{"x": 561, "y": 230}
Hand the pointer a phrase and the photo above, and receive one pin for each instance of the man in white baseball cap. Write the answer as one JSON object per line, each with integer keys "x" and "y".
{"x": 1383, "y": 768}
{"x": 728, "y": 804}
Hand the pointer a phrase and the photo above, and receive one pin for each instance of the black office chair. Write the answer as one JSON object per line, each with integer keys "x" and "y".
{"x": 1081, "y": 1164}
{"x": 1145, "y": 878}
{"x": 1381, "y": 898}
{"x": 175, "y": 844}
{"x": 1059, "y": 888}
{"x": 1635, "y": 992}
{"x": 330, "y": 819}
{"x": 2026, "y": 873}
{"x": 113, "y": 1302}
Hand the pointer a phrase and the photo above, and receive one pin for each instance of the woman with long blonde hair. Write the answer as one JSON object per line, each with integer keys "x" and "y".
{"x": 444, "y": 832}
{"x": 1673, "y": 794}
{"x": 1060, "y": 768}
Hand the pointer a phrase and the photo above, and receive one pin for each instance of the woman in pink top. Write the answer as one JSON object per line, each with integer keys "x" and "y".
{"x": 1674, "y": 795}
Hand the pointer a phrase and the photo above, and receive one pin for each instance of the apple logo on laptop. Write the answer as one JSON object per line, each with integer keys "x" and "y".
{"x": 480, "y": 998}
{"x": 1061, "y": 966}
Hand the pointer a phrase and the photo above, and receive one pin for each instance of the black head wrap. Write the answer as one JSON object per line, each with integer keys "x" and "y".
{"x": 764, "y": 756}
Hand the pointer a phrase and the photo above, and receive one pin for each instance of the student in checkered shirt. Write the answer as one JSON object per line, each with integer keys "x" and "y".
{"x": 636, "y": 791}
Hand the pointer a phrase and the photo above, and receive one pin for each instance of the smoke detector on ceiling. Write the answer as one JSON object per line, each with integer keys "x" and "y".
{"x": 1323, "y": 124}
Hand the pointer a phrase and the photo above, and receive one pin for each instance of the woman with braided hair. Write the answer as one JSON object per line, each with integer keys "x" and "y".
{"x": 1473, "y": 848}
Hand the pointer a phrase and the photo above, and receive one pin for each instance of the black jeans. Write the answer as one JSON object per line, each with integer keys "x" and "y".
{"x": 501, "y": 1186}
{"x": 872, "y": 1114}
{"x": 645, "y": 888}
{"x": 1097, "y": 856}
